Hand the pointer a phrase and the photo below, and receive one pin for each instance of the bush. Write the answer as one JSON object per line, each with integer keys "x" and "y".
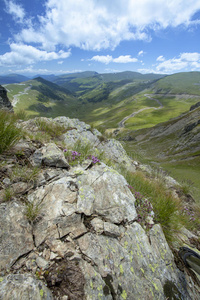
{"x": 9, "y": 133}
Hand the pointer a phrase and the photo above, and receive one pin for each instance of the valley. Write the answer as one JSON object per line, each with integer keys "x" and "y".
{"x": 142, "y": 110}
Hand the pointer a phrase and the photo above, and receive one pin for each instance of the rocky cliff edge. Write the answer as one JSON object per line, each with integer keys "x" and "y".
{"x": 69, "y": 231}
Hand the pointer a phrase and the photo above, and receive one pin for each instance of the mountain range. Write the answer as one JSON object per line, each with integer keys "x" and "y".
{"x": 150, "y": 112}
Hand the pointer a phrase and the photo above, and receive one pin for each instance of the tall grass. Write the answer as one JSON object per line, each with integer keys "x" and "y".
{"x": 53, "y": 129}
{"x": 168, "y": 210}
{"x": 9, "y": 132}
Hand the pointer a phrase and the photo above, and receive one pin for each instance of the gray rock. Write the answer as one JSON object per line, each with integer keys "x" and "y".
{"x": 20, "y": 187}
{"x": 114, "y": 151}
{"x": 23, "y": 287}
{"x": 57, "y": 203}
{"x": 132, "y": 268}
{"x": 4, "y": 101}
{"x": 109, "y": 194}
{"x": 98, "y": 225}
{"x": 42, "y": 263}
{"x": 111, "y": 229}
{"x": 49, "y": 155}
{"x": 7, "y": 181}
{"x": 80, "y": 131}
{"x": 15, "y": 234}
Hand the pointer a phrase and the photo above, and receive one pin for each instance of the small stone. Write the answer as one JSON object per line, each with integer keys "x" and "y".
{"x": 20, "y": 187}
{"x": 97, "y": 224}
{"x": 111, "y": 229}
{"x": 42, "y": 263}
{"x": 46, "y": 254}
{"x": 7, "y": 181}
{"x": 53, "y": 255}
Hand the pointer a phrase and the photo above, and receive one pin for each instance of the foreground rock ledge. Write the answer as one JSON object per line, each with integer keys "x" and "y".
{"x": 85, "y": 242}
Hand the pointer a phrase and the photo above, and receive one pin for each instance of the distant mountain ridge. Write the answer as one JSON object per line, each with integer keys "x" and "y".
{"x": 12, "y": 78}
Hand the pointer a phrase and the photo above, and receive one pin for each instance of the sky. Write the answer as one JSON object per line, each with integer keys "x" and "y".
{"x": 66, "y": 36}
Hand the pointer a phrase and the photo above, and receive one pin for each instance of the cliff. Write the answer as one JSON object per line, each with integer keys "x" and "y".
{"x": 69, "y": 227}
{"x": 4, "y": 101}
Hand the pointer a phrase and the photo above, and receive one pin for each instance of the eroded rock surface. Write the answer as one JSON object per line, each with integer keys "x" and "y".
{"x": 23, "y": 287}
{"x": 15, "y": 234}
{"x": 84, "y": 242}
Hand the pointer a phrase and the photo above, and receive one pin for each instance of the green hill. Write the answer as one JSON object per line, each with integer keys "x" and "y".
{"x": 174, "y": 145}
{"x": 39, "y": 97}
{"x": 180, "y": 83}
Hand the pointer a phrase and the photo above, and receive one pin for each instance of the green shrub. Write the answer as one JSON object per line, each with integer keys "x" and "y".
{"x": 9, "y": 132}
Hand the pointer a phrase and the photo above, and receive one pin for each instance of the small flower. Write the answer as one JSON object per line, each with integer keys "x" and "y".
{"x": 65, "y": 150}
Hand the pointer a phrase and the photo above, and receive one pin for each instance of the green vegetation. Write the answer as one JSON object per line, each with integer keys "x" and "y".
{"x": 180, "y": 83}
{"x": 53, "y": 129}
{"x": 82, "y": 152}
{"x": 32, "y": 211}
{"x": 9, "y": 132}
{"x": 24, "y": 173}
{"x": 168, "y": 210}
{"x": 8, "y": 194}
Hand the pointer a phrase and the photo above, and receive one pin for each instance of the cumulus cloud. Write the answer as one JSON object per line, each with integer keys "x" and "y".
{"x": 16, "y": 10}
{"x": 96, "y": 25}
{"x": 183, "y": 61}
{"x": 108, "y": 59}
{"x": 21, "y": 54}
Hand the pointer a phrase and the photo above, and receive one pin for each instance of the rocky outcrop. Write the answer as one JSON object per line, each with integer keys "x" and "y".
{"x": 73, "y": 231}
{"x": 195, "y": 106}
{"x": 4, "y": 101}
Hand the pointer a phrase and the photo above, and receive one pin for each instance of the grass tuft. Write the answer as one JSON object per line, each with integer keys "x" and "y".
{"x": 9, "y": 132}
{"x": 53, "y": 129}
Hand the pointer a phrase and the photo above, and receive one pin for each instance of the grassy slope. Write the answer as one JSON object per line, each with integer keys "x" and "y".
{"x": 188, "y": 83}
{"x": 169, "y": 145}
{"x": 58, "y": 100}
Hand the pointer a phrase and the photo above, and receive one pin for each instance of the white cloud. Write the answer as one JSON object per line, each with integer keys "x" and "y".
{"x": 190, "y": 57}
{"x": 96, "y": 25}
{"x": 141, "y": 53}
{"x": 160, "y": 58}
{"x": 15, "y": 10}
{"x": 183, "y": 62}
{"x": 21, "y": 54}
{"x": 60, "y": 62}
{"x": 30, "y": 71}
{"x": 102, "y": 58}
{"x": 108, "y": 59}
{"x": 123, "y": 59}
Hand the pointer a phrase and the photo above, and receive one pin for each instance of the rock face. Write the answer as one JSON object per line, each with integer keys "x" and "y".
{"x": 73, "y": 233}
{"x": 4, "y": 101}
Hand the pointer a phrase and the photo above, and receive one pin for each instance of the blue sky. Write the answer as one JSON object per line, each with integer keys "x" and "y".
{"x": 65, "y": 36}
